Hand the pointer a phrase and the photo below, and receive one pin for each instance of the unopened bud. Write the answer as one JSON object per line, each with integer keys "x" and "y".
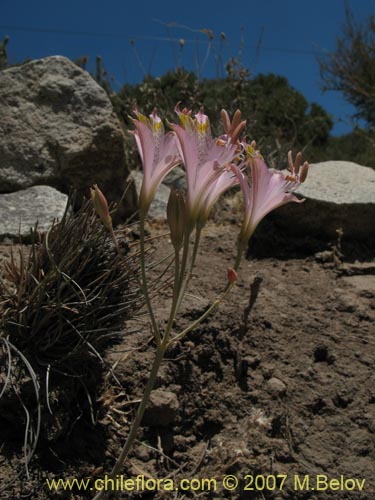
{"x": 232, "y": 128}
{"x": 101, "y": 206}
{"x": 231, "y": 275}
{"x": 225, "y": 120}
{"x": 290, "y": 161}
{"x": 297, "y": 162}
{"x": 294, "y": 166}
{"x": 304, "y": 170}
{"x": 176, "y": 216}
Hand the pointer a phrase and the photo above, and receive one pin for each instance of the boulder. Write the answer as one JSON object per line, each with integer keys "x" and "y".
{"x": 58, "y": 128}
{"x": 339, "y": 195}
{"x": 20, "y": 211}
{"x": 340, "y": 183}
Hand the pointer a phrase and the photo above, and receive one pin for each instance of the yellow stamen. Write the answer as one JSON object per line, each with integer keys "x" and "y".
{"x": 143, "y": 119}
{"x": 186, "y": 121}
{"x": 253, "y": 153}
{"x": 202, "y": 127}
{"x": 290, "y": 178}
{"x": 157, "y": 126}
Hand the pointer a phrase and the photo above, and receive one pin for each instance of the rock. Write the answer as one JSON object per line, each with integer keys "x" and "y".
{"x": 358, "y": 268}
{"x": 21, "y": 210}
{"x": 142, "y": 453}
{"x": 340, "y": 182}
{"x": 276, "y": 387}
{"x": 338, "y": 194}
{"x": 325, "y": 257}
{"x": 158, "y": 209}
{"x": 252, "y": 361}
{"x": 177, "y": 179}
{"x": 58, "y": 128}
{"x": 162, "y": 408}
{"x": 364, "y": 285}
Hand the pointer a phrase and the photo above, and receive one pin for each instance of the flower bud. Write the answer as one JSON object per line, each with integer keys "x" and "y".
{"x": 176, "y": 216}
{"x": 232, "y": 128}
{"x": 231, "y": 275}
{"x": 304, "y": 170}
{"x": 101, "y": 206}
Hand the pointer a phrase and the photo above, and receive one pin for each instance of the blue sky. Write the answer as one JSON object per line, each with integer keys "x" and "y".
{"x": 291, "y": 33}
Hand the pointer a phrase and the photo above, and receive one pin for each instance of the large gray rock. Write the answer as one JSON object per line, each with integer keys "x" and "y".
{"x": 58, "y": 127}
{"x": 20, "y": 211}
{"x": 339, "y": 195}
{"x": 340, "y": 182}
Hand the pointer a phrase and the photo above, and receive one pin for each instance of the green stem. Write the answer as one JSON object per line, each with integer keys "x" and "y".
{"x": 138, "y": 418}
{"x": 185, "y": 255}
{"x": 185, "y": 282}
{"x": 203, "y": 317}
{"x": 173, "y": 311}
{"x": 240, "y": 249}
{"x": 195, "y": 250}
{"x": 144, "y": 280}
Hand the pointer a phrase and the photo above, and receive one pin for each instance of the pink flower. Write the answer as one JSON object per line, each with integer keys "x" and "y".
{"x": 268, "y": 189}
{"x": 158, "y": 152}
{"x": 206, "y": 161}
{"x": 225, "y": 181}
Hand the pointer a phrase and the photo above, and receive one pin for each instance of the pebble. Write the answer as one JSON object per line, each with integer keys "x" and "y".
{"x": 276, "y": 387}
{"x": 162, "y": 408}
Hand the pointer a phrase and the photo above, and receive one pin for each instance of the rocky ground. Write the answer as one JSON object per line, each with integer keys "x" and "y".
{"x": 278, "y": 383}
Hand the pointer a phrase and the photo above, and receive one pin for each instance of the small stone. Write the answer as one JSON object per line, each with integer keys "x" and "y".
{"x": 325, "y": 256}
{"x": 268, "y": 370}
{"x": 162, "y": 408}
{"x": 142, "y": 453}
{"x": 252, "y": 361}
{"x": 276, "y": 387}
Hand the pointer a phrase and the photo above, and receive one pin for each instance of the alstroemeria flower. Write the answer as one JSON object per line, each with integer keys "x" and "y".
{"x": 266, "y": 190}
{"x": 205, "y": 159}
{"x": 159, "y": 154}
{"x": 225, "y": 181}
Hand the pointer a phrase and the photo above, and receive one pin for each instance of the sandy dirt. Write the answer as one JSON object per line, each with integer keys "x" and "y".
{"x": 278, "y": 384}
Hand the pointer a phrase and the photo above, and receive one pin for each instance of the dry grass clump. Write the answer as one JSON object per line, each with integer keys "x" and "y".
{"x": 62, "y": 303}
{"x": 67, "y": 300}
